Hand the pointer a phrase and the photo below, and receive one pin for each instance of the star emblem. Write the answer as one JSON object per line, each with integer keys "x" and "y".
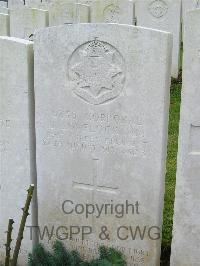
{"x": 96, "y": 73}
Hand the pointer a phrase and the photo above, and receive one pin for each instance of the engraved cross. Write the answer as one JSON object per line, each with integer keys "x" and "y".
{"x": 94, "y": 186}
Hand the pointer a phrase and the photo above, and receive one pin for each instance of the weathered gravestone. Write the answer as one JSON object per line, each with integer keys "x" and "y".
{"x": 87, "y": 2}
{"x": 15, "y": 3}
{"x": 33, "y": 3}
{"x": 4, "y": 25}
{"x": 163, "y": 15}
{"x": 37, "y": 4}
{"x": 4, "y": 10}
{"x": 49, "y": 1}
{"x": 188, "y": 5}
{"x": 61, "y": 12}
{"x": 102, "y": 98}
{"x": 17, "y": 165}
{"x": 186, "y": 237}
{"x": 24, "y": 21}
{"x": 111, "y": 11}
{"x": 3, "y": 4}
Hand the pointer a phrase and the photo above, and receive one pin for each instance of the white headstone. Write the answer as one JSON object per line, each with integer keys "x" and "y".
{"x": 186, "y": 237}
{"x": 163, "y": 15}
{"x": 50, "y": 1}
{"x": 62, "y": 12}
{"x": 15, "y": 3}
{"x": 33, "y": 3}
{"x": 87, "y": 2}
{"x": 111, "y": 11}
{"x": 24, "y": 21}
{"x": 37, "y": 4}
{"x": 4, "y": 25}
{"x": 102, "y": 98}
{"x": 188, "y": 5}
{"x": 16, "y": 95}
{"x": 3, "y": 4}
{"x": 4, "y": 10}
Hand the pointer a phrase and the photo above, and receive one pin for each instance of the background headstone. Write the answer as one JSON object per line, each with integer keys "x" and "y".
{"x": 24, "y": 21}
{"x": 102, "y": 98}
{"x": 37, "y": 4}
{"x": 33, "y": 3}
{"x": 15, "y": 3}
{"x": 4, "y": 25}
{"x": 3, "y": 4}
{"x": 16, "y": 169}
{"x": 111, "y": 11}
{"x": 4, "y": 10}
{"x": 62, "y": 12}
{"x": 163, "y": 15}
{"x": 186, "y": 237}
{"x": 51, "y": 1}
{"x": 87, "y": 2}
{"x": 188, "y": 5}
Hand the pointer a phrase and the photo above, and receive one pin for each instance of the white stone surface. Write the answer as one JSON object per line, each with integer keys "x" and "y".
{"x": 61, "y": 12}
{"x": 16, "y": 173}
{"x": 37, "y": 4}
{"x": 15, "y": 3}
{"x": 186, "y": 237}
{"x": 4, "y": 10}
{"x": 102, "y": 98}
{"x": 4, "y": 25}
{"x": 188, "y": 5}
{"x": 25, "y": 21}
{"x": 111, "y": 11}
{"x": 87, "y": 2}
{"x": 33, "y": 3}
{"x": 51, "y": 1}
{"x": 3, "y": 4}
{"x": 163, "y": 15}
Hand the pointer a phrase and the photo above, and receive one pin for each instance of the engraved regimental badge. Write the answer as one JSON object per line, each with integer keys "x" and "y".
{"x": 111, "y": 14}
{"x": 97, "y": 72}
{"x": 158, "y": 8}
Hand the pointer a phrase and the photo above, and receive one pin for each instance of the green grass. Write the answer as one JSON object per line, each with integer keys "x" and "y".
{"x": 171, "y": 164}
{"x": 61, "y": 256}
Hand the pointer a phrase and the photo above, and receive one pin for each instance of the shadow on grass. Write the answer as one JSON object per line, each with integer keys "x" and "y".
{"x": 170, "y": 182}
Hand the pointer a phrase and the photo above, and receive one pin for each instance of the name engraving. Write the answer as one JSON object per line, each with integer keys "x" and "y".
{"x": 5, "y": 123}
{"x": 97, "y": 132}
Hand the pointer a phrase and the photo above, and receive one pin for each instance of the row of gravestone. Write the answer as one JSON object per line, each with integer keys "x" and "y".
{"x": 93, "y": 109}
{"x": 162, "y": 15}
{"x": 159, "y": 14}
{"x": 84, "y": 116}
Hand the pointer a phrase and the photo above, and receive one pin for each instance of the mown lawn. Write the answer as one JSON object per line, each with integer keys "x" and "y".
{"x": 171, "y": 164}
